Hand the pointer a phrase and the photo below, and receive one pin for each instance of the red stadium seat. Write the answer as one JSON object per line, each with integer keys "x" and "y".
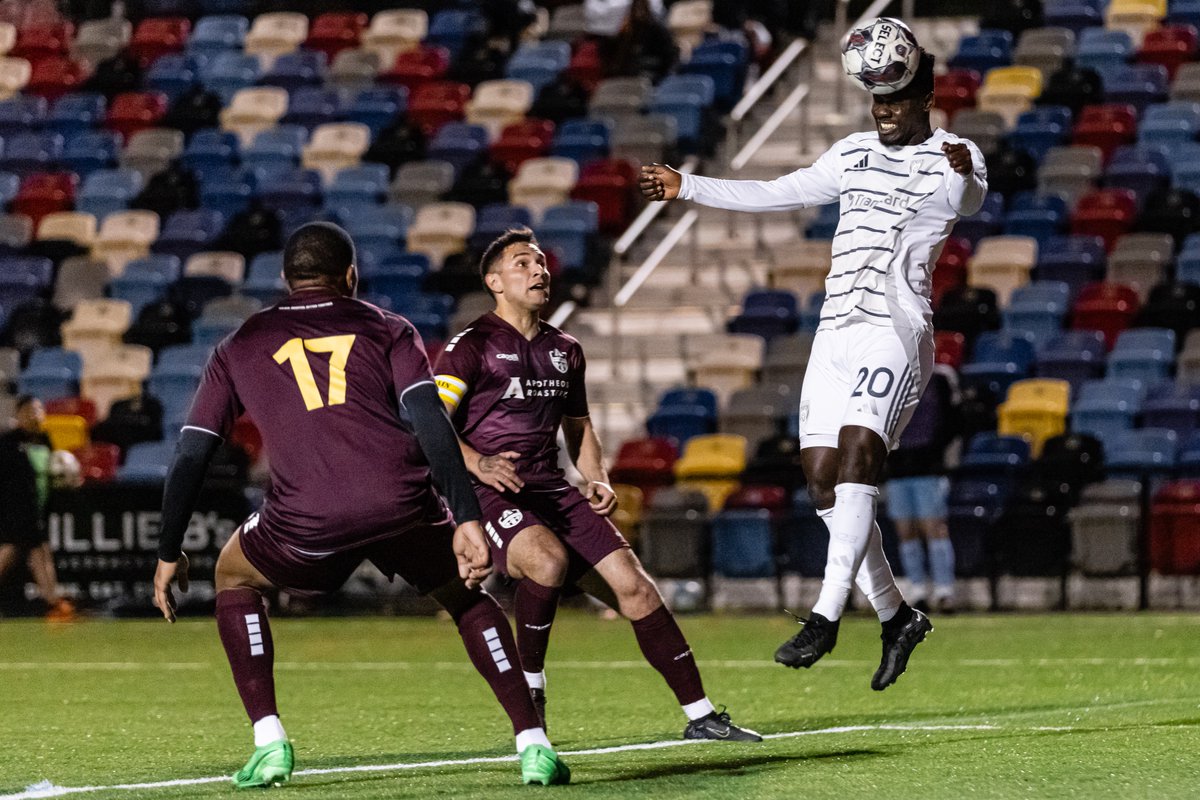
{"x": 1106, "y": 307}
{"x": 335, "y": 31}
{"x": 98, "y": 462}
{"x": 44, "y": 193}
{"x": 75, "y": 406}
{"x": 955, "y": 90}
{"x": 1107, "y": 213}
{"x": 1170, "y": 46}
{"x": 950, "y": 271}
{"x": 418, "y": 67}
{"x": 949, "y": 347}
{"x": 436, "y": 103}
{"x": 157, "y": 37}
{"x": 772, "y": 498}
{"x": 1106, "y": 126}
{"x": 645, "y": 463}
{"x": 41, "y": 41}
{"x": 131, "y": 112}
{"x": 608, "y": 183}
{"x": 53, "y": 77}
{"x": 586, "y": 67}
{"x": 521, "y": 141}
{"x": 1175, "y": 529}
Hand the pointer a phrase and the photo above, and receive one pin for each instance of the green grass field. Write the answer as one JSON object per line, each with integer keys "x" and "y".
{"x": 1005, "y": 706}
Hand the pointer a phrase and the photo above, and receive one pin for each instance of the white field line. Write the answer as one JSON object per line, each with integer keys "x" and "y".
{"x": 376, "y": 666}
{"x": 48, "y": 789}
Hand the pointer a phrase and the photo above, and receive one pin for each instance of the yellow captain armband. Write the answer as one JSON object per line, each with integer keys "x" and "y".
{"x": 450, "y": 389}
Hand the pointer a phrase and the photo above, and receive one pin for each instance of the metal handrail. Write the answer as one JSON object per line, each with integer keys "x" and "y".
{"x": 795, "y": 98}
{"x": 767, "y": 80}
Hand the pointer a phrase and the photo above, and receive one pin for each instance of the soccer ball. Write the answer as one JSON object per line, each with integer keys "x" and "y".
{"x": 881, "y": 57}
{"x": 65, "y": 470}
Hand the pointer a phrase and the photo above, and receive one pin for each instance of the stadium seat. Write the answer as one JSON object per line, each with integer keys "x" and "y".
{"x": 1039, "y": 308}
{"x": 1002, "y": 263}
{"x": 1145, "y": 454}
{"x": 131, "y": 112}
{"x": 1073, "y": 356}
{"x": 675, "y": 535}
{"x": 543, "y": 182}
{"x": 1104, "y": 408}
{"x": 1036, "y": 409}
{"x": 1143, "y": 354}
{"x": 146, "y": 463}
{"x": 1142, "y": 170}
{"x": 293, "y": 71}
{"x": 1106, "y": 307}
{"x": 1173, "y": 405}
{"x": 1174, "y": 539}
{"x": 274, "y": 34}
{"x": 1104, "y": 529}
{"x": 433, "y": 104}
{"x": 999, "y": 358}
{"x": 711, "y": 464}
{"x": 51, "y": 373}
{"x": 983, "y": 52}
{"x": 743, "y": 544}
{"x": 1102, "y": 49}
{"x": 1107, "y": 213}
{"x": 395, "y": 31}
{"x": 76, "y": 113}
{"x": 1106, "y": 127}
{"x": 29, "y": 153}
{"x": 1173, "y": 305}
{"x": 1046, "y": 49}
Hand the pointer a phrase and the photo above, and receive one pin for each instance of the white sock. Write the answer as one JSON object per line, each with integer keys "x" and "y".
{"x": 536, "y": 680}
{"x": 849, "y": 535}
{"x": 268, "y": 730}
{"x": 532, "y": 736}
{"x": 699, "y": 709}
{"x": 874, "y": 576}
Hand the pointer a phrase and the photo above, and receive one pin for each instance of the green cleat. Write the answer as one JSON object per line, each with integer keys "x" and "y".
{"x": 542, "y": 765}
{"x": 270, "y": 765}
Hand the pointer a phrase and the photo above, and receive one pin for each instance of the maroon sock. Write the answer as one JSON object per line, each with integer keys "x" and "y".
{"x": 668, "y": 652}
{"x": 489, "y": 641}
{"x": 534, "y": 609}
{"x": 246, "y": 634}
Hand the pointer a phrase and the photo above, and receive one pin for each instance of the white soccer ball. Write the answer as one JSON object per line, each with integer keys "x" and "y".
{"x": 65, "y": 470}
{"x": 881, "y": 57}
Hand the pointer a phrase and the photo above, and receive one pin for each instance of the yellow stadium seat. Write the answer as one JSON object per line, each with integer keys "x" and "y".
{"x": 1135, "y": 17}
{"x": 66, "y": 431}
{"x": 1036, "y": 409}
{"x": 628, "y": 516}
{"x": 714, "y": 455}
{"x": 1009, "y": 92}
{"x": 715, "y": 491}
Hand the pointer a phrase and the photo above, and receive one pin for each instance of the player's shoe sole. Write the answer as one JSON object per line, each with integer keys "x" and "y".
{"x": 542, "y": 766}
{"x": 898, "y": 647}
{"x": 271, "y": 765}
{"x": 815, "y": 639}
{"x": 717, "y": 727}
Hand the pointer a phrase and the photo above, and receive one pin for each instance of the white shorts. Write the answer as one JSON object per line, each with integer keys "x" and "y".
{"x": 866, "y": 375}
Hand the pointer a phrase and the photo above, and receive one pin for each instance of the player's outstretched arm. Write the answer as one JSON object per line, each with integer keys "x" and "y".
{"x": 583, "y": 446}
{"x": 184, "y": 478}
{"x": 659, "y": 182}
{"x": 439, "y": 443}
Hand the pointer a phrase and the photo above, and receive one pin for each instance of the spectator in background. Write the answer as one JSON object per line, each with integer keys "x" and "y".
{"x": 640, "y": 45}
{"x": 917, "y": 490}
{"x": 24, "y": 489}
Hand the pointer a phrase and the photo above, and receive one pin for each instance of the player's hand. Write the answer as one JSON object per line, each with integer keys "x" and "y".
{"x": 601, "y": 496}
{"x": 164, "y": 574}
{"x": 471, "y": 551}
{"x": 659, "y": 182}
{"x": 499, "y": 472}
{"x": 959, "y": 156}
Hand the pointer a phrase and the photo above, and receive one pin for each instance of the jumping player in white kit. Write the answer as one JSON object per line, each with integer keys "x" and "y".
{"x": 901, "y": 188}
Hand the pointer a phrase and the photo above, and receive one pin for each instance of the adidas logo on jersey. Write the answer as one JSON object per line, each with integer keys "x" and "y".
{"x": 862, "y": 164}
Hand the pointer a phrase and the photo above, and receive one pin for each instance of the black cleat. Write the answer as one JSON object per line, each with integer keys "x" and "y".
{"x": 898, "y": 643}
{"x": 815, "y": 639}
{"x": 718, "y": 727}
{"x": 538, "y": 696}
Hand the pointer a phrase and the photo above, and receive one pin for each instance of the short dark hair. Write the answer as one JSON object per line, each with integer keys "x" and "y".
{"x": 317, "y": 251}
{"x": 22, "y": 401}
{"x": 495, "y": 250}
{"x": 921, "y": 85}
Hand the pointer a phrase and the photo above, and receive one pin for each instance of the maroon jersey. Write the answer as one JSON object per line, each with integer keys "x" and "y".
{"x": 510, "y": 393}
{"x": 321, "y": 376}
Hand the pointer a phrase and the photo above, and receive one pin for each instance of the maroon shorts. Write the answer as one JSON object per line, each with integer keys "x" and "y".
{"x": 421, "y": 554}
{"x": 588, "y": 536}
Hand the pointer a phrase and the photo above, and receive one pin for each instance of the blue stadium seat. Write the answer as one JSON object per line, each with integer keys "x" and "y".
{"x": 108, "y": 190}
{"x": 1189, "y": 457}
{"x": 460, "y": 144}
{"x": 1074, "y": 15}
{"x": 9, "y": 185}
{"x": 145, "y": 280}
{"x": 685, "y": 98}
{"x": 826, "y": 222}
{"x": 190, "y": 231}
{"x": 1106, "y": 407}
{"x": 1145, "y": 453}
{"x": 990, "y": 453}
{"x": 228, "y": 72}
{"x": 743, "y": 544}
{"x": 1173, "y": 405}
{"x": 228, "y": 191}
{"x": 174, "y": 73}
{"x": 218, "y": 33}
{"x": 23, "y": 277}
{"x": 52, "y": 372}
{"x": 452, "y": 28}
{"x": 76, "y": 112}
{"x": 1073, "y": 356}
{"x": 396, "y": 285}
{"x": 494, "y": 219}
{"x": 22, "y": 113}
{"x": 210, "y": 147}
{"x": 810, "y": 315}
{"x": 292, "y": 71}
{"x": 147, "y": 462}
{"x": 684, "y": 413}
{"x": 1138, "y": 85}
{"x": 378, "y": 107}
{"x": 89, "y": 151}
{"x": 381, "y": 225}
{"x": 1142, "y": 170}
{"x": 412, "y": 264}
{"x": 991, "y": 48}
{"x": 1000, "y": 358}
{"x": 1144, "y": 354}
{"x": 552, "y": 54}
{"x": 264, "y": 280}
{"x": 1185, "y": 165}
{"x": 1039, "y": 308}
{"x": 29, "y": 152}
{"x": 1169, "y": 123}
{"x": 364, "y": 184}
{"x": 767, "y": 313}
{"x": 1101, "y": 48}
{"x": 566, "y": 230}
{"x": 1041, "y": 216}
{"x": 723, "y": 61}
{"x": 276, "y": 148}
{"x": 209, "y": 332}
{"x": 582, "y": 140}
{"x": 1074, "y": 260}
{"x": 311, "y": 106}
{"x": 1041, "y": 129}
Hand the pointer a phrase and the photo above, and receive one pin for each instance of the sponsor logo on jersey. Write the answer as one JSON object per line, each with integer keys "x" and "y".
{"x": 559, "y": 359}
{"x": 507, "y": 356}
{"x": 510, "y": 518}
{"x": 491, "y": 532}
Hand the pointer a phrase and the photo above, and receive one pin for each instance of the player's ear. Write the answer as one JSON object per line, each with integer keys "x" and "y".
{"x": 928, "y": 104}
{"x": 492, "y": 281}
{"x": 352, "y": 278}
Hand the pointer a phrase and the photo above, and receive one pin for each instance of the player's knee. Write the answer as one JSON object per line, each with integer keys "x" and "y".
{"x": 539, "y": 556}
{"x": 639, "y": 598}
{"x": 822, "y": 494}
{"x": 861, "y": 454}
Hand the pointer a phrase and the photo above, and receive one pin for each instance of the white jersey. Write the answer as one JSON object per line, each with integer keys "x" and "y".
{"x": 898, "y": 205}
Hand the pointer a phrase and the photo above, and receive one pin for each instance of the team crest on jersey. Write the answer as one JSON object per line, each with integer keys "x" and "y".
{"x": 559, "y": 359}
{"x": 510, "y": 518}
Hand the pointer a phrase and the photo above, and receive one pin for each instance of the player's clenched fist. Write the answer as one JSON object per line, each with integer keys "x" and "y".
{"x": 471, "y": 552}
{"x": 659, "y": 182}
{"x": 959, "y": 156}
